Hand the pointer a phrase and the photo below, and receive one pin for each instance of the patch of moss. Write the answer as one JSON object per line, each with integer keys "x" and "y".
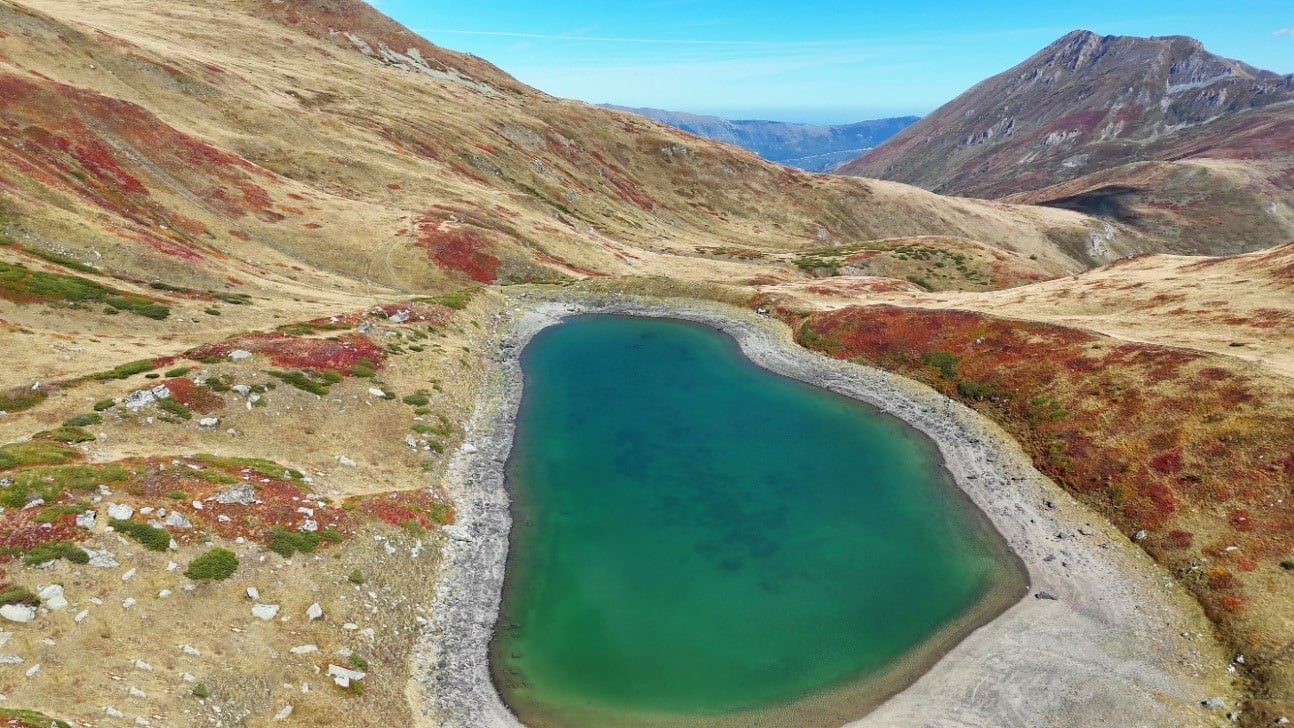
{"x": 28, "y": 454}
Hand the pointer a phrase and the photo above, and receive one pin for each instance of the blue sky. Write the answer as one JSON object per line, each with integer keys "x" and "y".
{"x": 815, "y": 60}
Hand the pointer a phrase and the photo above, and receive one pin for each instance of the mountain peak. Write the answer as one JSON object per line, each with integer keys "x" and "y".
{"x": 1082, "y": 103}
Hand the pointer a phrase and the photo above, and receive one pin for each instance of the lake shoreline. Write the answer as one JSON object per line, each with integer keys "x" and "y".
{"x": 1107, "y": 646}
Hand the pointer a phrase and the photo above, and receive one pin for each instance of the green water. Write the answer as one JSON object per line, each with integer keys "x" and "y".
{"x": 696, "y": 536}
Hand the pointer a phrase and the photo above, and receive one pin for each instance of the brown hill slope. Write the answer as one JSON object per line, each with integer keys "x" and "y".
{"x": 135, "y": 137}
{"x": 1090, "y": 104}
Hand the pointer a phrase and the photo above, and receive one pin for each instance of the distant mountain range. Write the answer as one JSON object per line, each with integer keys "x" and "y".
{"x": 811, "y": 147}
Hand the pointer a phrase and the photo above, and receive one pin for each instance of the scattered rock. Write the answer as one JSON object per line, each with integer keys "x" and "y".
{"x": 304, "y": 649}
{"x": 143, "y": 666}
{"x": 208, "y": 422}
{"x": 265, "y": 611}
{"x": 343, "y": 676}
{"x": 197, "y": 505}
{"x": 346, "y": 461}
{"x": 240, "y": 354}
{"x": 469, "y": 448}
{"x": 190, "y": 650}
{"x": 375, "y": 392}
{"x": 242, "y": 494}
{"x": 31, "y": 671}
{"x": 1214, "y": 703}
{"x": 81, "y": 616}
{"x": 1045, "y": 595}
{"x": 284, "y": 713}
{"x": 52, "y": 597}
{"x": 309, "y": 525}
{"x": 86, "y": 520}
{"x": 130, "y": 574}
{"x": 120, "y": 511}
{"x": 458, "y": 533}
{"x": 135, "y": 692}
{"x": 164, "y": 594}
{"x": 128, "y": 602}
{"x": 101, "y": 559}
{"x": 112, "y": 712}
{"x": 175, "y": 519}
{"x": 21, "y": 613}
{"x": 253, "y": 593}
{"x": 10, "y": 660}
{"x": 242, "y": 389}
{"x": 1140, "y": 535}
{"x": 314, "y": 611}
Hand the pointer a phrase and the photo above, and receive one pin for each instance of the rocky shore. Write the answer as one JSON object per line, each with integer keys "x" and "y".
{"x": 1103, "y": 636}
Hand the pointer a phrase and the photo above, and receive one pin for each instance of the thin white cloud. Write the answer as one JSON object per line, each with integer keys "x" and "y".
{"x": 1284, "y": 31}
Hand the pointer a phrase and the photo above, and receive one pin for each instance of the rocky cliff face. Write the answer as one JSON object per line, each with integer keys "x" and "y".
{"x": 1080, "y": 105}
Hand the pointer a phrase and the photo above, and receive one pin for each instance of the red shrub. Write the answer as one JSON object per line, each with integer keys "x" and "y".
{"x": 1167, "y": 462}
{"x": 195, "y": 397}
{"x": 1240, "y": 519}
{"x": 1179, "y": 539}
{"x": 301, "y": 352}
{"x": 460, "y": 249}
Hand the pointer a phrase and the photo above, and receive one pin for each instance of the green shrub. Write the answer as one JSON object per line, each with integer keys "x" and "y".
{"x": 417, "y": 400}
{"x": 46, "y": 552}
{"x": 104, "y": 404}
{"x": 364, "y": 372}
{"x": 177, "y": 495}
{"x": 129, "y": 369}
{"x": 82, "y": 420}
{"x": 944, "y": 361}
{"x": 21, "y": 399}
{"x": 177, "y": 372}
{"x": 152, "y": 538}
{"x": 22, "y": 716}
{"x": 1288, "y": 564}
{"x": 285, "y": 543}
{"x": 216, "y": 564}
{"x": 211, "y": 311}
{"x": 200, "y": 692}
{"x": 175, "y": 407}
{"x": 355, "y": 577}
{"x": 358, "y": 662}
{"x": 980, "y": 390}
{"x": 303, "y": 381}
{"x": 15, "y": 594}
{"x": 68, "y": 435}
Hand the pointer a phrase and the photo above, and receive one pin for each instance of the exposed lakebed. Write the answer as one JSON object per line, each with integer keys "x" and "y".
{"x": 697, "y": 540}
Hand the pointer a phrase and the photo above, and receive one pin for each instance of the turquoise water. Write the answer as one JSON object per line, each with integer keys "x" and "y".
{"x": 695, "y": 536}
